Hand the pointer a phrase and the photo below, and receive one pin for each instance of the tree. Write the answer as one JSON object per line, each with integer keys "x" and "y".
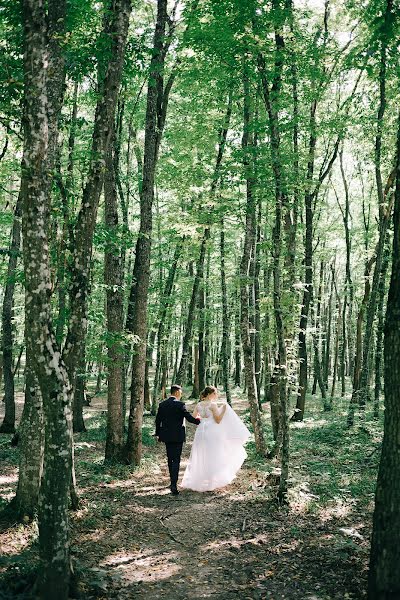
{"x": 384, "y": 576}
{"x": 49, "y": 368}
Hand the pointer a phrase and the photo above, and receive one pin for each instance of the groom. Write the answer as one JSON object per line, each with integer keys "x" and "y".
{"x": 171, "y": 430}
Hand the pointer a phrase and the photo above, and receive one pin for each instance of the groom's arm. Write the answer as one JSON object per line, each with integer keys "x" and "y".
{"x": 158, "y": 423}
{"x": 189, "y": 417}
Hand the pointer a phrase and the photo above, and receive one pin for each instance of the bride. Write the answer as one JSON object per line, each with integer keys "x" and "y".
{"x": 217, "y": 451}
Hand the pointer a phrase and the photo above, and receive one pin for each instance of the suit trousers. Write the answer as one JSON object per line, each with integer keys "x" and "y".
{"x": 174, "y": 451}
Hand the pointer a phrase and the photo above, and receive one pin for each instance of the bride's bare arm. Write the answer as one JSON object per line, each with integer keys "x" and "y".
{"x": 218, "y": 416}
{"x": 195, "y": 412}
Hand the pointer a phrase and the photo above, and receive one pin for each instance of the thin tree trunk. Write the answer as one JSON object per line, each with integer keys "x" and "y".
{"x": 8, "y": 425}
{"x": 66, "y": 231}
{"x": 113, "y": 278}
{"x": 245, "y": 266}
{"x": 238, "y": 361}
{"x": 380, "y": 330}
{"x": 225, "y": 346}
{"x": 187, "y": 339}
{"x": 257, "y": 310}
{"x": 163, "y": 331}
{"x": 202, "y": 348}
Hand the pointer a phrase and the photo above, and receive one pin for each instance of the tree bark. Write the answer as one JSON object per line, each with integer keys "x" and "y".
{"x": 31, "y": 442}
{"x": 54, "y": 575}
{"x": 245, "y": 265}
{"x": 113, "y": 278}
{"x": 114, "y": 36}
{"x": 187, "y": 339}
{"x": 225, "y": 319}
{"x": 384, "y": 574}
{"x": 380, "y": 331}
{"x": 157, "y": 99}
{"x": 8, "y": 425}
{"x": 163, "y": 320}
{"x": 362, "y": 393}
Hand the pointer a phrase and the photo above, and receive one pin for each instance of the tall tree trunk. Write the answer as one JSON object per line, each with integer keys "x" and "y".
{"x": 52, "y": 376}
{"x": 384, "y": 574}
{"x": 114, "y": 35}
{"x": 245, "y": 265}
{"x": 225, "y": 346}
{"x": 380, "y": 330}
{"x": 362, "y": 393}
{"x": 113, "y": 277}
{"x": 157, "y": 99}
{"x": 257, "y": 310}
{"x": 66, "y": 237}
{"x": 8, "y": 425}
{"x": 238, "y": 361}
{"x": 308, "y": 275}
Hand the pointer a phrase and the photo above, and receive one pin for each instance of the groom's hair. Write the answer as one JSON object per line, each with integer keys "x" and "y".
{"x": 175, "y": 388}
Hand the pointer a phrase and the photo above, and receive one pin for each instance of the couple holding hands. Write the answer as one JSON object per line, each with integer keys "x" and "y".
{"x": 218, "y": 446}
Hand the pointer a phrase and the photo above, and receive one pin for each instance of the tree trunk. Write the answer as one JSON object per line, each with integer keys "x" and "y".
{"x": 114, "y": 35}
{"x": 66, "y": 237}
{"x": 187, "y": 339}
{"x": 308, "y": 273}
{"x": 113, "y": 278}
{"x": 358, "y": 346}
{"x": 54, "y": 575}
{"x": 8, "y": 425}
{"x": 245, "y": 266}
{"x": 362, "y": 393}
{"x": 30, "y": 444}
{"x": 257, "y": 310}
{"x": 163, "y": 321}
{"x": 384, "y": 573}
{"x": 238, "y": 361}
{"x": 78, "y": 424}
{"x": 225, "y": 320}
{"x": 137, "y": 309}
{"x": 379, "y": 331}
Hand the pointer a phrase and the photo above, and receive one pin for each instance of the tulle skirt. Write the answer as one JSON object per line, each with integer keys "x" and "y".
{"x": 217, "y": 453}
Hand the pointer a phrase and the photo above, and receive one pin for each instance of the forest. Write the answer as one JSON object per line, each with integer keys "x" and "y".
{"x": 200, "y": 192}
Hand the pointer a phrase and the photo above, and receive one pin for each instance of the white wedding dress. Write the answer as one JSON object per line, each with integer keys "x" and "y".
{"x": 217, "y": 451}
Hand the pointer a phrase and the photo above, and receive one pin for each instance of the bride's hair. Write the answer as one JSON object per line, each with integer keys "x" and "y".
{"x": 208, "y": 390}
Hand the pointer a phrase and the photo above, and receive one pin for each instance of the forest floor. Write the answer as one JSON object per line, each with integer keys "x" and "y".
{"x": 132, "y": 539}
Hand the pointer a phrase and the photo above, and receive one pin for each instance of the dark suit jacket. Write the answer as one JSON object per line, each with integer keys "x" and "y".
{"x": 169, "y": 420}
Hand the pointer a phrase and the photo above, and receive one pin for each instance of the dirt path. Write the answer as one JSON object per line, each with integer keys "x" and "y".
{"x": 132, "y": 539}
{"x": 143, "y": 543}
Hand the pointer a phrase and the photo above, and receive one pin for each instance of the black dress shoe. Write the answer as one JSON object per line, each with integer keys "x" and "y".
{"x": 174, "y": 490}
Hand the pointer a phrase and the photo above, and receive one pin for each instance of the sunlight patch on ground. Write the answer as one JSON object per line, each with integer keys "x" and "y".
{"x": 137, "y": 567}
{"x": 151, "y": 490}
{"x": 300, "y": 497}
{"x": 92, "y": 536}
{"x": 309, "y": 423}
{"x": 337, "y": 509}
{"x": 217, "y": 545}
{"x": 16, "y": 539}
{"x": 7, "y": 479}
